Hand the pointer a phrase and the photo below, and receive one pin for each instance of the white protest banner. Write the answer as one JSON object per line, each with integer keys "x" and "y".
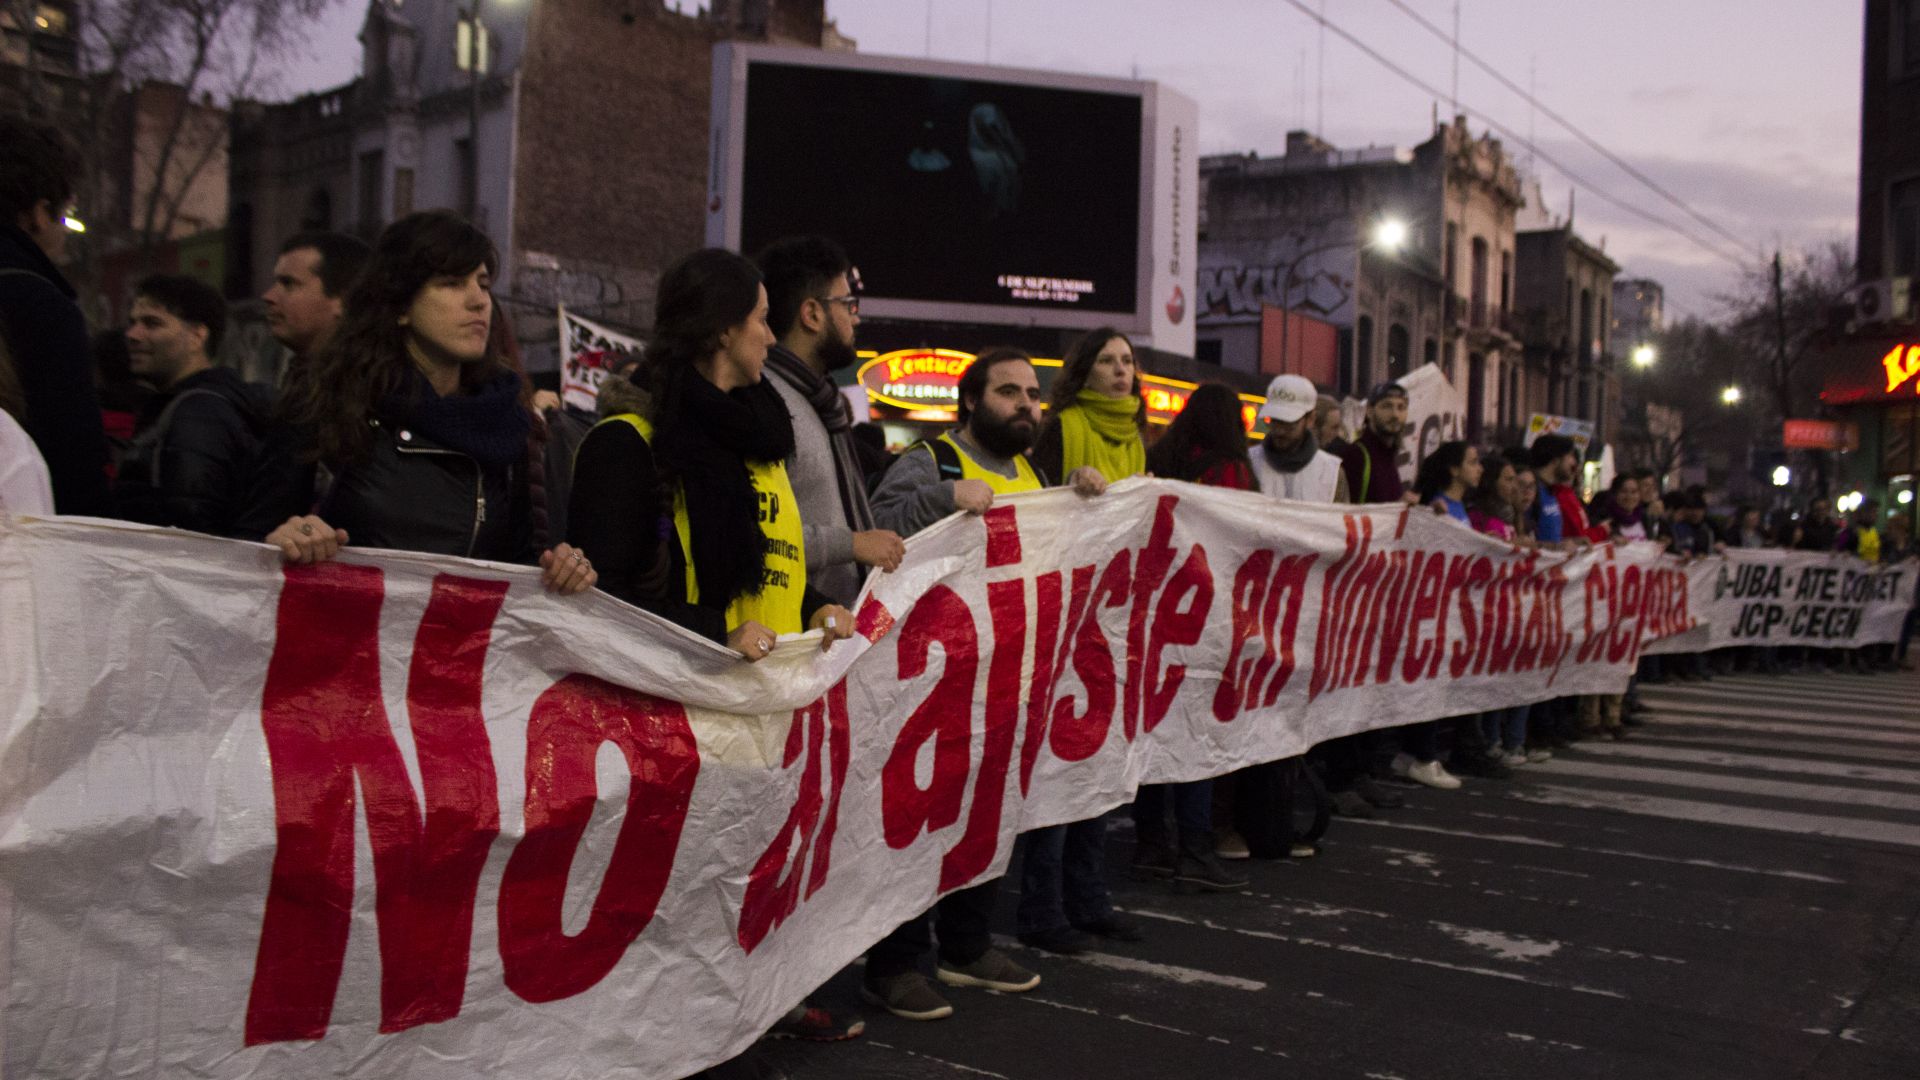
{"x": 1769, "y": 597}
{"x": 588, "y": 351}
{"x": 401, "y": 815}
{"x": 1436, "y": 413}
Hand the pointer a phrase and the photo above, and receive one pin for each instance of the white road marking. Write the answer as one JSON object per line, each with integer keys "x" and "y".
{"x": 1186, "y": 976}
{"x": 1504, "y": 946}
{"x": 970, "y": 1070}
{"x": 1661, "y": 735}
{"x": 1770, "y": 763}
{"x": 1786, "y": 727}
{"x": 1785, "y": 821}
{"x": 1534, "y": 841}
{"x": 1701, "y": 781}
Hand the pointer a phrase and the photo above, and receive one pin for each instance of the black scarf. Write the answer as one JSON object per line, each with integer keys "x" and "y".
{"x": 1290, "y": 461}
{"x": 837, "y": 416}
{"x": 704, "y": 447}
{"x": 489, "y": 425}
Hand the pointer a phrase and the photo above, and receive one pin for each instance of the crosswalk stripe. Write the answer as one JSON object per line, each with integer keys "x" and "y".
{"x": 1838, "y": 708}
{"x": 1768, "y": 763}
{"x": 1789, "y": 727}
{"x": 1838, "y": 795}
{"x": 1786, "y": 821}
{"x": 1661, "y": 735}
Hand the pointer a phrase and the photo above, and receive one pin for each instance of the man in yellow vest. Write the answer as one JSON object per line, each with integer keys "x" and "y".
{"x": 981, "y": 459}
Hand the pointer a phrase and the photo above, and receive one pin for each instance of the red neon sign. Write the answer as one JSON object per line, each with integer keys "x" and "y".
{"x": 1902, "y": 364}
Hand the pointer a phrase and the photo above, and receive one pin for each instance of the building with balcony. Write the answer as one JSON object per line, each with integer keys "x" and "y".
{"x": 1563, "y": 303}
{"x": 1301, "y": 235}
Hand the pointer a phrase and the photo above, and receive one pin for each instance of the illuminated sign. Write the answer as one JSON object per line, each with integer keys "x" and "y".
{"x": 926, "y": 383}
{"x": 1902, "y": 364}
{"x": 1819, "y": 435}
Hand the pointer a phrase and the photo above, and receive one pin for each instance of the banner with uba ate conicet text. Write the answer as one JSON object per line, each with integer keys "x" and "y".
{"x": 401, "y": 815}
{"x": 1807, "y": 598}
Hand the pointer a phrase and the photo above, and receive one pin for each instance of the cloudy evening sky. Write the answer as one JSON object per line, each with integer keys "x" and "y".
{"x": 1748, "y": 110}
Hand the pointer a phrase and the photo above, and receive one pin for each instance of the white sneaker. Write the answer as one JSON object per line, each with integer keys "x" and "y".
{"x": 1434, "y": 775}
{"x": 1538, "y": 755}
{"x": 1402, "y": 765}
{"x": 1513, "y": 759}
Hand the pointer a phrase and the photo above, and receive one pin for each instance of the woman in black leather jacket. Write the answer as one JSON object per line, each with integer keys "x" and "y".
{"x": 421, "y": 424}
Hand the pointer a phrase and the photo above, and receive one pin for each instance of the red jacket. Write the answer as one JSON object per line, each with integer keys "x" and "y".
{"x": 1573, "y": 517}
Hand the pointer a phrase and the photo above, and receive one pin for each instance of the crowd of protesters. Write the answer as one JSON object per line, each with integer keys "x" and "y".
{"x": 723, "y": 485}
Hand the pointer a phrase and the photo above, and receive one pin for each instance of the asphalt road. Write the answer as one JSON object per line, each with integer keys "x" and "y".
{"x": 1731, "y": 893}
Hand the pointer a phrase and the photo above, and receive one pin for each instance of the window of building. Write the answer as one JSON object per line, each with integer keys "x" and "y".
{"x": 464, "y": 176}
{"x": 1399, "y": 350}
{"x": 1430, "y": 352}
{"x": 1363, "y": 353}
{"x": 402, "y": 192}
{"x": 1452, "y": 255}
{"x": 1506, "y": 281}
{"x": 464, "y": 43}
{"x": 1348, "y": 387}
{"x": 1207, "y": 351}
{"x": 372, "y": 172}
{"x": 1903, "y": 220}
{"x": 1477, "y": 282}
{"x": 1476, "y": 393}
{"x": 1583, "y": 345}
{"x": 1903, "y": 58}
{"x": 1600, "y": 326}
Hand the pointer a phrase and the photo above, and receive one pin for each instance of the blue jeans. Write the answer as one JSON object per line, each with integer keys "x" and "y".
{"x": 1063, "y": 877}
{"x": 1505, "y": 727}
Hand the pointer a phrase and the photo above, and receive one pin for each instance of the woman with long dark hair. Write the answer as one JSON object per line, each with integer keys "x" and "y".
{"x": 684, "y": 501}
{"x": 421, "y": 424}
{"x": 1095, "y": 414}
{"x": 1445, "y": 477}
{"x": 1206, "y": 443}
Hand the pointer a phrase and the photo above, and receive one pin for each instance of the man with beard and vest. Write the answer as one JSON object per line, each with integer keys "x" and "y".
{"x": 1372, "y": 460}
{"x": 965, "y": 469}
{"x": 814, "y": 311}
{"x": 1289, "y": 463}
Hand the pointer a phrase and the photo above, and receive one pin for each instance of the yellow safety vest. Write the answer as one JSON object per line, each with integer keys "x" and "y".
{"x": 784, "y": 580}
{"x": 970, "y": 469}
{"x": 1869, "y": 544}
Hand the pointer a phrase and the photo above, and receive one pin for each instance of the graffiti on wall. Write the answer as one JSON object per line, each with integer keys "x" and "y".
{"x": 1238, "y": 290}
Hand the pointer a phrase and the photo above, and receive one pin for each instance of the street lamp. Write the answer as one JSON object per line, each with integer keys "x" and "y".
{"x": 1730, "y": 396}
{"x": 1390, "y": 234}
{"x": 1782, "y": 476}
{"x": 1643, "y": 356}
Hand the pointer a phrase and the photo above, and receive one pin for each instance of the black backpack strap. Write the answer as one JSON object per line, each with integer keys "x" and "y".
{"x": 944, "y": 456}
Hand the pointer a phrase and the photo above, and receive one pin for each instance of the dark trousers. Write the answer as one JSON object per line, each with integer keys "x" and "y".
{"x": 1063, "y": 877}
{"x": 1421, "y": 741}
{"x": 963, "y": 920}
{"x": 1343, "y": 761}
{"x": 1192, "y": 806}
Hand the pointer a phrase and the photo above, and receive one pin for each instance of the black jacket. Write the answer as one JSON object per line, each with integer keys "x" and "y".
{"x": 413, "y": 495}
{"x": 194, "y": 453}
{"x": 47, "y": 337}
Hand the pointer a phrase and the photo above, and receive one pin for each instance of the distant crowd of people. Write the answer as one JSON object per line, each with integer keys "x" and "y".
{"x": 723, "y": 486}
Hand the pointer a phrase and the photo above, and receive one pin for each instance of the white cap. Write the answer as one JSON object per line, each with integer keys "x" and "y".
{"x": 1289, "y": 397}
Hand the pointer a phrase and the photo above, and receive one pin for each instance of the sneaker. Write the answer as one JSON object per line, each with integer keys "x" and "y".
{"x": 908, "y": 995}
{"x": 1512, "y": 759}
{"x": 1151, "y": 860}
{"x": 1434, "y": 775}
{"x": 1538, "y": 754}
{"x": 816, "y": 1023}
{"x": 1061, "y": 940}
{"x": 1300, "y": 849}
{"x": 1403, "y": 765}
{"x": 1350, "y": 804}
{"x": 1484, "y": 766}
{"x": 1209, "y": 873}
{"x": 1230, "y": 845}
{"x": 1112, "y": 927}
{"x": 994, "y": 970}
{"x": 1383, "y": 798}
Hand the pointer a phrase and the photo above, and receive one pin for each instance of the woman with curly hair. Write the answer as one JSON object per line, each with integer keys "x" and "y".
{"x": 421, "y": 424}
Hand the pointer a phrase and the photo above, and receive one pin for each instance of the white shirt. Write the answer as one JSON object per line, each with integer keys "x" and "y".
{"x": 25, "y": 486}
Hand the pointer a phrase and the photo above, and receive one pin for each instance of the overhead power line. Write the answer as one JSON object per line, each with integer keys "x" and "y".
{"x": 1591, "y": 143}
{"x": 1572, "y": 176}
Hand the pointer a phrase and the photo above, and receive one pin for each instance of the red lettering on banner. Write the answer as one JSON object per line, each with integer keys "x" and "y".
{"x": 1052, "y": 639}
{"x": 326, "y": 727}
{"x": 1361, "y": 610}
{"x": 1479, "y": 572}
{"x": 540, "y": 961}
{"x": 1077, "y": 736}
{"x": 944, "y": 719}
{"x": 1007, "y": 606}
{"x": 1149, "y": 573}
{"x": 1426, "y": 606}
{"x": 1333, "y": 605}
{"x": 873, "y": 621}
{"x": 773, "y": 887}
{"x": 1393, "y": 635}
{"x": 1003, "y": 537}
{"x": 1458, "y": 567}
{"x": 1598, "y": 592}
{"x": 1289, "y": 581}
{"x": 1533, "y": 635}
{"x": 1249, "y": 593}
{"x": 1179, "y": 619}
{"x": 1259, "y": 589}
{"x": 1625, "y": 643}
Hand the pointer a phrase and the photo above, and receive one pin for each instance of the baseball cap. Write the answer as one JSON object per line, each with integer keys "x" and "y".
{"x": 1289, "y": 397}
{"x": 1383, "y": 391}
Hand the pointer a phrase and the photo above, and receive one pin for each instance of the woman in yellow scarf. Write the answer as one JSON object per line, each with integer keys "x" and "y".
{"x": 1096, "y": 417}
{"x": 1095, "y": 412}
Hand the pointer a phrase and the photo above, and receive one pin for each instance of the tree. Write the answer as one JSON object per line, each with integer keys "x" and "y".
{"x": 1783, "y": 328}
{"x": 1674, "y": 411}
{"x": 204, "y": 55}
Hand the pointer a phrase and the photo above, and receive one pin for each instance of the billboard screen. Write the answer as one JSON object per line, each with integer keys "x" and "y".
{"x": 947, "y": 189}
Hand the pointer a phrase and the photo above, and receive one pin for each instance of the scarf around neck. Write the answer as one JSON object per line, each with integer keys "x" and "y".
{"x": 489, "y": 425}
{"x": 837, "y": 417}
{"x": 1293, "y": 460}
{"x": 1100, "y": 431}
{"x": 704, "y": 448}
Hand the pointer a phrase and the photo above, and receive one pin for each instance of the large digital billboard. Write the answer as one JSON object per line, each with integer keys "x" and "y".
{"x": 963, "y": 193}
